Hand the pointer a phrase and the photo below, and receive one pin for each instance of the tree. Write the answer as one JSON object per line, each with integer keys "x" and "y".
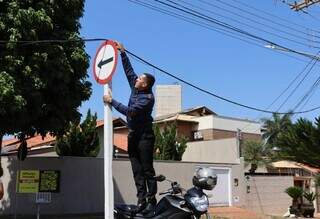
{"x": 41, "y": 84}
{"x": 256, "y": 153}
{"x": 168, "y": 146}
{"x": 301, "y": 142}
{"x": 317, "y": 179}
{"x": 296, "y": 194}
{"x": 275, "y": 126}
{"x": 81, "y": 140}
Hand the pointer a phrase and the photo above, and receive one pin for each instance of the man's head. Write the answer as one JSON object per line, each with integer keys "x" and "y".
{"x": 144, "y": 82}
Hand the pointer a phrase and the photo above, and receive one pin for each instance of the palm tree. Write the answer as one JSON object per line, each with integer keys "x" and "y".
{"x": 300, "y": 142}
{"x": 273, "y": 127}
{"x": 256, "y": 153}
{"x": 295, "y": 193}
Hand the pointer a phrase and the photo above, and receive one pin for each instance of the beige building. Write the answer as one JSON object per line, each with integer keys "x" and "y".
{"x": 211, "y": 138}
{"x": 168, "y": 99}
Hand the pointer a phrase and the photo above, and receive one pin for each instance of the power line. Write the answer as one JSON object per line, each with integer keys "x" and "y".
{"x": 298, "y": 85}
{"x": 228, "y": 26}
{"x": 275, "y": 16}
{"x": 196, "y": 22}
{"x": 215, "y": 95}
{"x": 310, "y": 96}
{"x": 310, "y": 15}
{"x": 311, "y": 90}
{"x": 29, "y": 42}
{"x": 207, "y": 26}
{"x": 193, "y": 12}
{"x": 285, "y": 90}
{"x": 167, "y": 73}
{"x": 253, "y": 21}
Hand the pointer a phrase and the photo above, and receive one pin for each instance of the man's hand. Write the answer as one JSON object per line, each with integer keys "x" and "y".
{"x": 120, "y": 46}
{"x": 107, "y": 98}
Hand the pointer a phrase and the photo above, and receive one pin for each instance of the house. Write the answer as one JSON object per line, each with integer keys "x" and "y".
{"x": 303, "y": 176}
{"x": 37, "y": 146}
{"x": 44, "y": 146}
{"x": 211, "y": 137}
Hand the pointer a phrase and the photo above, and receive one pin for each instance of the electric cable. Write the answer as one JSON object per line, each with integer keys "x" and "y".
{"x": 255, "y": 21}
{"x": 283, "y": 19}
{"x": 186, "y": 10}
{"x": 207, "y": 26}
{"x": 193, "y": 21}
{"x": 215, "y": 95}
{"x": 306, "y": 95}
{"x": 196, "y": 22}
{"x": 171, "y": 75}
{"x": 225, "y": 25}
{"x": 298, "y": 85}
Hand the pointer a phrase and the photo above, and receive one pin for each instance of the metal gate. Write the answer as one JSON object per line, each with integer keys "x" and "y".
{"x": 221, "y": 194}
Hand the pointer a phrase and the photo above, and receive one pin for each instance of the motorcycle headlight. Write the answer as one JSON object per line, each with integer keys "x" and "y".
{"x": 201, "y": 204}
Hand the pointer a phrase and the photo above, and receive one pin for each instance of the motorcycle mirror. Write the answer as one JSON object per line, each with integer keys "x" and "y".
{"x": 160, "y": 178}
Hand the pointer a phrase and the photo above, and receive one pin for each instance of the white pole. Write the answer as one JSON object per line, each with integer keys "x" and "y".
{"x": 38, "y": 211}
{"x": 108, "y": 155}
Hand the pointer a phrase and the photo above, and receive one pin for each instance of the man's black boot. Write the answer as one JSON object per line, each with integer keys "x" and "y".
{"x": 151, "y": 205}
{"x": 141, "y": 205}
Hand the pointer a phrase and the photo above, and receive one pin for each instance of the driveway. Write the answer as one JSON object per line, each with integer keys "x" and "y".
{"x": 241, "y": 213}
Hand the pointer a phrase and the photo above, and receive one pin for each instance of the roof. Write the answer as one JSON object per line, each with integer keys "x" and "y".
{"x": 178, "y": 117}
{"x": 295, "y": 165}
{"x": 37, "y": 142}
{"x": 12, "y": 145}
{"x": 285, "y": 164}
{"x": 195, "y": 111}
{"x": 117, "y": 122}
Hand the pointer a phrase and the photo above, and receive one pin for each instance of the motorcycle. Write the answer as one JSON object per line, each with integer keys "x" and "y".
{"x": 177, "y": 203}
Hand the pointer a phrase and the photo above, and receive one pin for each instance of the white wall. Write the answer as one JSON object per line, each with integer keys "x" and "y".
{"x": 81, "y": 183}
{"x": 227, "y": 123}
{"x": 215, "y": 151}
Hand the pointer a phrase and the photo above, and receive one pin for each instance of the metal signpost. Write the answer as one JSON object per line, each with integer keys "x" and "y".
{"x": 40, "y": 182}
{"x": 103, "y": 68}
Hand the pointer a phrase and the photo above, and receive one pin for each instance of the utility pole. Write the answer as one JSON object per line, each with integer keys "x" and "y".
{"x": 297, "y": 6}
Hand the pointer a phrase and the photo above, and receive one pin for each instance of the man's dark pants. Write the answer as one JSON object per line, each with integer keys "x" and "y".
{"x": 140, "y": 149}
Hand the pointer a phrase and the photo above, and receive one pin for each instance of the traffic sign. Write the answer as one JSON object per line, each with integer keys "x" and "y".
{"x": 105, "y": 62}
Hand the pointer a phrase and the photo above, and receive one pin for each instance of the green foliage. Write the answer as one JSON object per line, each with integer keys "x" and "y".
{"x": 294, "y": 192}
{"x": 301, "y": 142}
{"x": 274, "y": 127}
{"x": 256, "y": 153}
{"x": 81, "y": 140}
{"x": 317, "y": 179}
{"x": 310, "y": 196}
{"x": 41, "y": 84}
{"x": 168, "y": 146}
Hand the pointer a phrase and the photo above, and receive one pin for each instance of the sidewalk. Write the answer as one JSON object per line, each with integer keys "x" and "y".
{"x": 241, "y": 213}
{"x": 233, "y": 213}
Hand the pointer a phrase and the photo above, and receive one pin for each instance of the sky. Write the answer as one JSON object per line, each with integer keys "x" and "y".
{"x": 248, "y": 73}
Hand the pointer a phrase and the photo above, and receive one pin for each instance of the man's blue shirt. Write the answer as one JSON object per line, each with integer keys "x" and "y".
{"x": 140, "y": 106}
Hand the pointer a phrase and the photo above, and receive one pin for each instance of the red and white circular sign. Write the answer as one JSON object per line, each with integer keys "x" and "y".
{"x": 105, "y": 62}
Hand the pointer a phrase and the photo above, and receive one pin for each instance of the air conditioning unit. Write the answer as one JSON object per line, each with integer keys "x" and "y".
{"x": 197, "y": 135}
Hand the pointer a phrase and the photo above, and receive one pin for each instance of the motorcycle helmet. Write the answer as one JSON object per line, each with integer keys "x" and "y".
{"x": 205, "y": 178}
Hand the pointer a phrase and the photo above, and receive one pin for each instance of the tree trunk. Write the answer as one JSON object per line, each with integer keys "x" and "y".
{"x": 253, "y": 168}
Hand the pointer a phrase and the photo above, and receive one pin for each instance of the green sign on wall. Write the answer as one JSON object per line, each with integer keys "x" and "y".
{"x": 28, "y": 181}
{"x": 33, "y": 181}
{"x": 49, "y": 181}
